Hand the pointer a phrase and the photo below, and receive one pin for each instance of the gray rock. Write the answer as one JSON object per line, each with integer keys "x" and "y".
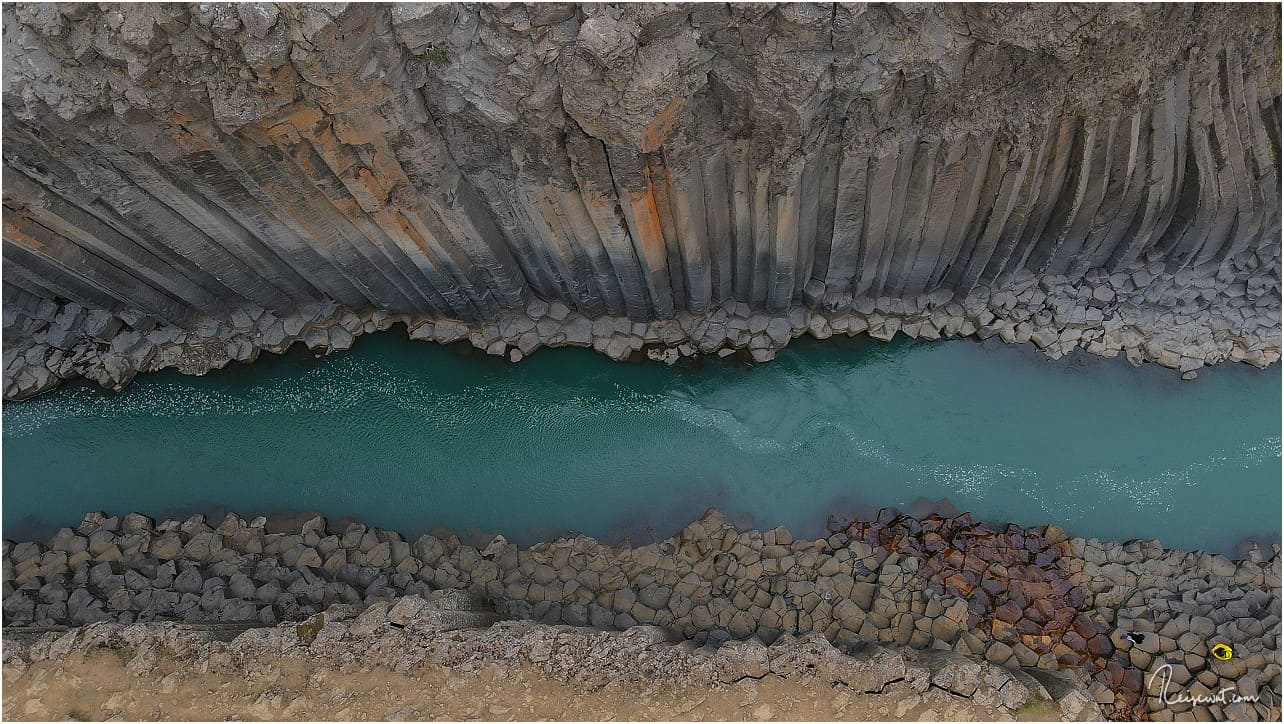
{"x": 955, "y": 674}
{"x": 655, "y": 596}
{"x": 188, "y": 581}
{"x": 240, "y": 586}
{"x": 268, "y": 592}
{"x": 136, "y": 522}
{"x": 575, "y": 614}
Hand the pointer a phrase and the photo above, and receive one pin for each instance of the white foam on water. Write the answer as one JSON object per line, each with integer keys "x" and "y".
{"x": 814, "y": 426}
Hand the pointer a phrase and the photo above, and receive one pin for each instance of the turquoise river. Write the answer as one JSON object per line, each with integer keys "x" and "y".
{"x": 411, "y": 435}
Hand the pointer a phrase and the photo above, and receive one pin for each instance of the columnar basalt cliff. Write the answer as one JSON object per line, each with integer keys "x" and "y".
{"x": 186, "y": 185}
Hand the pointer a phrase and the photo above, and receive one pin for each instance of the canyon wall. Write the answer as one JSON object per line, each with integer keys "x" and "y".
{"x": 186, "y": 185}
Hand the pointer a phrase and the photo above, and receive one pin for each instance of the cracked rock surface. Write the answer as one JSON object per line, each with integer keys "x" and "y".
{"x": 343, "y": 661}
{"x": 189, "y": 185}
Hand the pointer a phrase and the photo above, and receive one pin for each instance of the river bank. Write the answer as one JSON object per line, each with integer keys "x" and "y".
{"x": 1016, "y": 597}
{"x": 427, "y": 659}
{"x": 1182, "y": 322}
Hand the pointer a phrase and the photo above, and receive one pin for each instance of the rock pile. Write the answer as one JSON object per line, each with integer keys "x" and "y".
{"x": 1018, "y": 598}
{"x": 1183, "y": 322}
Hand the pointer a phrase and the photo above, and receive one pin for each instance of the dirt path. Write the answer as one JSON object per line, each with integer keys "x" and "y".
{"x": 97, "y": 686}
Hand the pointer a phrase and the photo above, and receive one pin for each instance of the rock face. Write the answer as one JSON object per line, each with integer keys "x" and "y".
{"x": 186, "y": 185}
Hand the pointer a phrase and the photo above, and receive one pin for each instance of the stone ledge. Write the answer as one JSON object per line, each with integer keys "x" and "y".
{"x": 409, "y": 634}
{"x": 59, "y": 342}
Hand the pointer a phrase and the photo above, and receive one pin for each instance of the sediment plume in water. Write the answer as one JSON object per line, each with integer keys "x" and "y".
{"x": 409, "y": 437}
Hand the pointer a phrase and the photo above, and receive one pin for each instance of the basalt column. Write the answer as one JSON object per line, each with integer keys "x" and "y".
{"x": 216, "y": 180}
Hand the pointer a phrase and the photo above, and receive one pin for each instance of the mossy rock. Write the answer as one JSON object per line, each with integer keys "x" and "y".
{"x": 1037, "y": 708}
{"x": 308, "y": 630}
{"x": 437, "y": 56}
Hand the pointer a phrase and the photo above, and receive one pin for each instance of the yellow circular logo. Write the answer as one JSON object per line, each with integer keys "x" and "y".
{"x": 1222, "y": 652}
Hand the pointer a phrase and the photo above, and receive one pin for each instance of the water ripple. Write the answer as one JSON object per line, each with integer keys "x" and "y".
{"x": 404, "y": 434}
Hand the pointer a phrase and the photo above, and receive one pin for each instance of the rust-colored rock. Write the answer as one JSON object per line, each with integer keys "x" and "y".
{"x": 170, "y": 163}
{"x": 1016, "y": 582}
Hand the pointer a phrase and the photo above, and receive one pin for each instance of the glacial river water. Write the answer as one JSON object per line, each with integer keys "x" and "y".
{"x": 411, "y": 435}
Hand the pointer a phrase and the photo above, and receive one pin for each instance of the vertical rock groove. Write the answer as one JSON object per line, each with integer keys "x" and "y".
{"x": 466, "y": 162}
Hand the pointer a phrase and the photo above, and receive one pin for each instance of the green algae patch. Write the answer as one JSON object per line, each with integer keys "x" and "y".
{"x": 308, "y": 630}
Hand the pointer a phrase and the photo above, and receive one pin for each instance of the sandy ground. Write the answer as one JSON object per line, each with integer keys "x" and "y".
{"x": 97, "y": 687}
